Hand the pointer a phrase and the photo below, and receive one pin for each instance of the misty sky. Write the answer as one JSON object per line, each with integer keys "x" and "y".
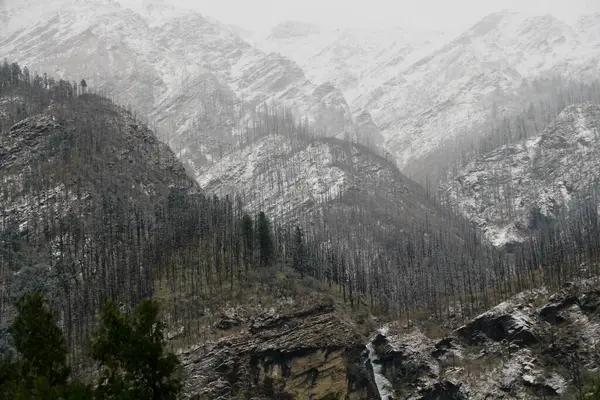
{"x": 261, "y": 15}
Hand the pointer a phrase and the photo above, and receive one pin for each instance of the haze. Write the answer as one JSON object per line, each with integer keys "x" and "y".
{"x": 261, "y": 15}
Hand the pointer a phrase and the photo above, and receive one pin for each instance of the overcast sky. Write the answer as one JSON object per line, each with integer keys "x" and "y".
{"x": 261, "y": 15}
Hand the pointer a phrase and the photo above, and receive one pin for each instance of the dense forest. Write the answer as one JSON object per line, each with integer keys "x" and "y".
{"x": 84, "y": 218}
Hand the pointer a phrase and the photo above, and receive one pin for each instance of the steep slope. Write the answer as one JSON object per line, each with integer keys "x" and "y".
{"x": 449, "y": 93}
{"x": 300, "y": 178}
{"x": 122, "y": 159}
{"x": 352, "y": 59}
{"x": 93, "y": 206}
{"x": 429, "y": 96}
{"x": 510, "y": 191}
{"x": 156, "y": 58}
{"x": 354, "y": 205}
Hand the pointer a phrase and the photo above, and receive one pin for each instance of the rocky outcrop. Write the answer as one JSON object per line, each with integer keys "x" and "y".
{"x": 311, "y": 352}
{"x": 527, "y": 347}
{"x": 514, "y": 327}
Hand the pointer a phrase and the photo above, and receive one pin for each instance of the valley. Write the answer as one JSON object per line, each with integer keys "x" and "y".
{"x": 318, "y": 212}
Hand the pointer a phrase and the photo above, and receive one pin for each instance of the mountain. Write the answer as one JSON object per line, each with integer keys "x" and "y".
{"x": 94, "y": 207}
{"x": 351, "y": 201}
{"x": 173, "y": 65}
{"x": 352, "y": 59}
{"x": 82, "y": 154}
{"x": 431, "y": 97}
{"x": 454, "y": 90}
{"x": 511, "y": 190}
{"x": 298, "y": 178}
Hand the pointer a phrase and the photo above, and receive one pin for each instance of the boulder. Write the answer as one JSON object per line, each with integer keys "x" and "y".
{"x": 446, "y": 347}
{"x": 514, "y": 327}
{"x": 589, "y": 302}
{"x": 551, "y": 311}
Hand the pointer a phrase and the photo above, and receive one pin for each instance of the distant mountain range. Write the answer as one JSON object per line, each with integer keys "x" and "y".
{"x": 425, "y": 90}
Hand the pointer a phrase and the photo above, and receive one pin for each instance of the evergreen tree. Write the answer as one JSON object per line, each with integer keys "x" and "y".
{"x": 265, "y": 241}
{"x": 40, "y": 341}
{"x": 298, "y": 255}
{"x": 132, "y": 356}
{"x": 40, "y": 370}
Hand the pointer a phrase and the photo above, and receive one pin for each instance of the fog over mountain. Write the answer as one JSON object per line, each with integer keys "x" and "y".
{"x": 357, "y": 200}
{"x": 262, "y": 15}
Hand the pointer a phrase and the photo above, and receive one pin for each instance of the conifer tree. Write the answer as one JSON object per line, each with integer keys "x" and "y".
{"x": 132, "y": 356}
{"x": 39, "y": 370}
{"x": 265, "y": 241}
{"x": 298, "y": 255}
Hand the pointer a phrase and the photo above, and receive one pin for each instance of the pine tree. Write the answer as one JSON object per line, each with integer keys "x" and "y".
{"x": 132, "y": 356}
{"x": 40, "y": 370}
{"x": 40, "y": 341}
{"x": 299, "y": 253}
{"x": 265, "y": 241}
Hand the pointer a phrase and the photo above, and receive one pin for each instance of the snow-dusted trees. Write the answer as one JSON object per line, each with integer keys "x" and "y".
{"x": 193, "y": 250}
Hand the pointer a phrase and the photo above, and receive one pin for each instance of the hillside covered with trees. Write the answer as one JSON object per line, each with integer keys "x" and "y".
{"x": 94, "y": 207}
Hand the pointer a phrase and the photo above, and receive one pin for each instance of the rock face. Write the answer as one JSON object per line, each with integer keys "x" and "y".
{"x": 310, "y": 352}
{"x": 534, "y": 180}
{"x": 514, "y": 327}
{"x": 516, "y": 350}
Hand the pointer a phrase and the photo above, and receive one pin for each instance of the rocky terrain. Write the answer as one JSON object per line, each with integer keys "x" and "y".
{"x": 534, "y": 345}
{"x": 311, "y": 350}
{"x": 537, "y": 344}
{"x": 508, "y": 192}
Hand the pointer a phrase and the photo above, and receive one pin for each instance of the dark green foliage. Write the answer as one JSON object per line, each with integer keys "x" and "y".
{"x": 131, "y": 353}
{"x": 39, "y": 370}
{"x": 248, "y": 239}
{"x": 299, "y": 252}
{"x": 265, "y": 241}
{"x": 40, "y": 341}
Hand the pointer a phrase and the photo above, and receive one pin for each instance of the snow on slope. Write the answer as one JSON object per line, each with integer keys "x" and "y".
{"x": 353, "y": 59}
{"x": 505, "y": 191}
{"x": 445, "y": 94}
{"x": 424, "y": 91}
{"x": 308, "y": 180}
{"x": 158, "y": 58}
